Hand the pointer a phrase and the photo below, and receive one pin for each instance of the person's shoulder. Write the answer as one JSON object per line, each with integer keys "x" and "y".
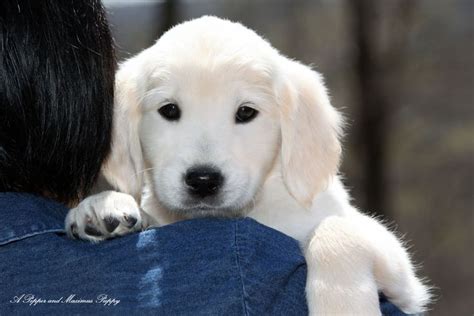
{"x": 227, "y": 265}
{"x": 25, "y": 215}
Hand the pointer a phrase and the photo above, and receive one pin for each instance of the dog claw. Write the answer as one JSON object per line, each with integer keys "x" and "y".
{"x": 73, "y": 229}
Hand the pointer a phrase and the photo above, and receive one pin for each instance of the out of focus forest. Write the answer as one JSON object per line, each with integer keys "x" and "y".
{"x": 402, "y": 71}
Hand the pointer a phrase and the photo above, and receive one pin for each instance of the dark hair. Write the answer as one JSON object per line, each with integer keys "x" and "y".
{"x": 57, "y": 68}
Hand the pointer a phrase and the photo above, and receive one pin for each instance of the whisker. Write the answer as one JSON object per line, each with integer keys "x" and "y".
{"x": 142, "y": 171}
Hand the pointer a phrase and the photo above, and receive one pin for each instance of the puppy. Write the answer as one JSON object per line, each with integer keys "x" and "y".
{"x": 218, "y": 123}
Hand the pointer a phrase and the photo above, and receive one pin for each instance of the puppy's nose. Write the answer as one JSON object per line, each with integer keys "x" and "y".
{"x": 203, "y": 181}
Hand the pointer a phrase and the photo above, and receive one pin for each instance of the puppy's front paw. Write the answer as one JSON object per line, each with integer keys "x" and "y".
{"x": 406, "y": 290}
{"x": 103, "y": 216}
{"x": 340, "y": 278}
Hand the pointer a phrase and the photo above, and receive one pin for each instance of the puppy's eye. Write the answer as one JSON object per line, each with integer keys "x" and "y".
{"x": 170, "y": 112}
{"x": 245, "y": 114}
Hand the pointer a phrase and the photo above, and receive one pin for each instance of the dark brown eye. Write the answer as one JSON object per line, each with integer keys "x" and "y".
{"x": 245, "y": 114}
{"x": 170, "y": 112}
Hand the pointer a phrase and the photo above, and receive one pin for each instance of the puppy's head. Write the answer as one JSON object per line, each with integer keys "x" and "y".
{"x": 208, "y": 110}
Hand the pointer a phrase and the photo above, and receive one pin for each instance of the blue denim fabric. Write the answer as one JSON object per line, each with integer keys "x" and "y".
{"x": 197, "y": 267}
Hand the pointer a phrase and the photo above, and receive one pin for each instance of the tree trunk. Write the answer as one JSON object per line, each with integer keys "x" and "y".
{"x": 374, "y": 66}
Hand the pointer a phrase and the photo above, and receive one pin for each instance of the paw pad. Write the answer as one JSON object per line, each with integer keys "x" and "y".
{"x": 111, "y": 223}
{"x": 92, "y": 231}
{"x": 131, "y": 220}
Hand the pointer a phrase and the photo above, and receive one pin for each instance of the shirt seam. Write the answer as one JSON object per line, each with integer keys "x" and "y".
{"x": 6, "y": 241}
{"x": 239, "y": 267}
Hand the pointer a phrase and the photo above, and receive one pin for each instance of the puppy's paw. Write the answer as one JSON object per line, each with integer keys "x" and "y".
{"x": 103, "y": 216}
{"x": 340, "y": 280}
{"x": 409, "y": 293}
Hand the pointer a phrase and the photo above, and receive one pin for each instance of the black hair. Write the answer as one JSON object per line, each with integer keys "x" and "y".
{"x": 57, "y": 67}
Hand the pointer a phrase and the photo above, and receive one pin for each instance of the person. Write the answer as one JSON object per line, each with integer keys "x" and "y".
{"x": 56, "y": 104}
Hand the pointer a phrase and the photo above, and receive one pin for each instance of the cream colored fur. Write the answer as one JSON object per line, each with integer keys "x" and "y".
{"x": 281, "y": 168}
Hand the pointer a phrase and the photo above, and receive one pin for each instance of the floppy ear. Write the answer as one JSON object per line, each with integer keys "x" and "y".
{"x": 124, "y": 166}
{"x": 310, "y": 130}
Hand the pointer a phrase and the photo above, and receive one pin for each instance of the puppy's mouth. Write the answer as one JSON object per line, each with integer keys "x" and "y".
{"x": 187, "y": 204}
{"x": 208, "y": 211}
{"x": 194, "y": 208}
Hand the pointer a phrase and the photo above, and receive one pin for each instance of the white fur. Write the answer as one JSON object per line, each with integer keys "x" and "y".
{"x": 280, "y": 169}
{"x": 96, "y": 208}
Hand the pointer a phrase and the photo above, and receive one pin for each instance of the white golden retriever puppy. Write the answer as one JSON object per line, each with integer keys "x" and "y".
{"x": 219, "y": 123}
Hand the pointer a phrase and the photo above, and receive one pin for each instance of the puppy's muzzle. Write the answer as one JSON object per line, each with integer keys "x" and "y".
{"x": 203, "y": 181}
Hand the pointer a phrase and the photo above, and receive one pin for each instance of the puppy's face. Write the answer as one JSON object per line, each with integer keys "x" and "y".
{"x": 208, "y": 110}
{"x": 209, "y": 133}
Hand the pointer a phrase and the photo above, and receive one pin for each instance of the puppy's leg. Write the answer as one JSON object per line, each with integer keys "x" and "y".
{"x": 393, "y": 269}
{"x": 105, "y": 215}
{"x": 350, "y": 259}
{"x": 340, "y": 279}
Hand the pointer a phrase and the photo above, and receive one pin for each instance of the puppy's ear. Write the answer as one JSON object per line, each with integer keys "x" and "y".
{"x": 310, "y": 130}
{"x": 124, "y": 167}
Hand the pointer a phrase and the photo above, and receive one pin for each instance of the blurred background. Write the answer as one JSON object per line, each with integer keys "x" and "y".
{"x": 402, "y": 71}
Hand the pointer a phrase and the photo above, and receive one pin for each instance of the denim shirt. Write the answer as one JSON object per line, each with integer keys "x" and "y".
{"x": 195, "y": 267}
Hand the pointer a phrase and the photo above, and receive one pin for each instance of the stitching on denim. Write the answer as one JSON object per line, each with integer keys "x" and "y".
{"x": 6, "y": 241}
{"x": 237, "y": 253}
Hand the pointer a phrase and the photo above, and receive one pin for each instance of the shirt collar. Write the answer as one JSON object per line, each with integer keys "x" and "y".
{"x": 24, "y": 215}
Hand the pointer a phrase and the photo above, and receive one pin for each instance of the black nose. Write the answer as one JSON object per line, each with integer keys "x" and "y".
{"x": 203, "y": 181}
